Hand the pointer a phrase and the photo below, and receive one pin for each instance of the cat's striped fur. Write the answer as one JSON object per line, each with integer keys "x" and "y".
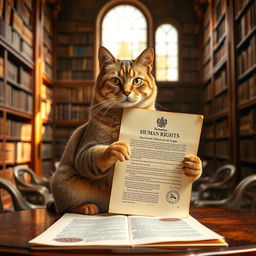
{"x": 82, "y": 182}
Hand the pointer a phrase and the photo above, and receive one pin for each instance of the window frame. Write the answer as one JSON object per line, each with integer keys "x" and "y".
{"x": 176, "y": 25}
{"x": 104, "y": 10}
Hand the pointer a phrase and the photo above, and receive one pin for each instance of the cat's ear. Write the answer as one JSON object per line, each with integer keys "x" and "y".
{"x": 146, "y": 58}
{"x": 105, "y": 56}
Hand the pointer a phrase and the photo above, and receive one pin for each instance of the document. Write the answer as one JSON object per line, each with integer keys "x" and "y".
{"x": 75, "y": 231}
{"x": 152, "y": 182}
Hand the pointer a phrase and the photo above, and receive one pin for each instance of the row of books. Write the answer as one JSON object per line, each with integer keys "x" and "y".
{"x": 222, "y": 128}
{"x": 46, "y": 150}
{"x": 75, "y": 38}
{"x": 48, "y": 51}
{"x": 18, "y": 75}
{"x": 48, "y": 26}
{"x": 46, "y": 110}
{"x": 247, "y": 22}
{"x": 222, "y": 148}
{"x": 247, "y": 89}
{"x": 2, "y": 123}
{"x": 46, "y": 92}
{"x": 73, "y": 26}
{"x": 208, "y": 131}
{"x": 47, "y": 132}
{"x": 21, "y": 21}
{"x": 75, "y": 63}
{"x": 69, "y": 112}
{"x": 18, "y": 130}
{"x": 47, "y": 168}
{"x": 12, "y": 152}
{"x": 19, "y": 99}
{"x": 62, "y": 136}
{"x": 48, "y": 69}
{"x": 75, "y": 75}
{"x": 48, "y": 39}
{"x": 247, "y": 57}
{"x": 190, "y": 39}
{"x": 189, "y": 76}
{"x": 75, "y": 50}
{"x": 191, "y": 52}
{"x": 75, "y": 95}
{"x": 220, "y": 52}
{"x": 48, "y": 42}
{"x": 219, "y": 32}
{"x": 220, "y": 81}
{"x": 1, "y": 66}
{"x": 191, "y": 64}
{"x": 208, "y": 147}
{"x": 246, "y": 171}
{"x": 221, "y": 103}
{"x": 2, "y": 98}
{"x": 248, "y": 149}
{"x": 247, "y": 122}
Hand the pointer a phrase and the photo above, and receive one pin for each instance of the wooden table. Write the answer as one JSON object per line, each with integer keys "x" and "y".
{"x": 238, "y": 227}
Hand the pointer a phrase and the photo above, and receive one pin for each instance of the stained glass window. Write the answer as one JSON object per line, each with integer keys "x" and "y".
{"x": 124, "y": 31}
{"x": 166, "y": 53}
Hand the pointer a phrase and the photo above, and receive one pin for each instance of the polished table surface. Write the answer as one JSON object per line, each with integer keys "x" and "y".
{"x": 238, "y": 227}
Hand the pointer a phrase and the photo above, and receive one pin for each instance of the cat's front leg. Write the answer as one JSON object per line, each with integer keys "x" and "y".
{"x": 117, "y": 151}
{"x": 192, "y": 167}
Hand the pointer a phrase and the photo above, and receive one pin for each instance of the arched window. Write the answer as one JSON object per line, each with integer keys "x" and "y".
{"x": 166, "y": 40}
{"x": 124, "y": 31}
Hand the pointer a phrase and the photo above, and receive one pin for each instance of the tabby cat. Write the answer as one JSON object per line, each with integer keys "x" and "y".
{"x": 82, "y": 182}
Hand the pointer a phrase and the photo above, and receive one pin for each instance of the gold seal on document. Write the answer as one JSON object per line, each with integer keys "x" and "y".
{"x": 172, "y": 196}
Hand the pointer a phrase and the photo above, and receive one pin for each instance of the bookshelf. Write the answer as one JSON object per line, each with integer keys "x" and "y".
{"x": 245, "y": 50}
{"x": 16, "y": 85}
{"x": 74, "y": 51}
{"x": 71, "y": 109}
{"x": 228, "y": 73}
{"x": 216, "y": 86}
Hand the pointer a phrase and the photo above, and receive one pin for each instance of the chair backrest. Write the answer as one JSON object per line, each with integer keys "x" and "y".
{"x": 224, "y": 174}
{"x": 19, "y": 173}
{"x": 19, "y": 203}
{"x": 244, "y": 195}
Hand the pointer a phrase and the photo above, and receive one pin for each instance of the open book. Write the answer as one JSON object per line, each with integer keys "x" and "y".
{"x": 74, "y": 231}
{"x": 152, "y": 182}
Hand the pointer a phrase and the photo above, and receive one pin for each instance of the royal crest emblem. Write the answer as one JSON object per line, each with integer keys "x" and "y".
{"x": 161, "y": 122}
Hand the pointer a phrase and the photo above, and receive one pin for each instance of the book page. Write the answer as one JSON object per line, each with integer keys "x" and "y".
{"x": 145, "y": 230}
{"x": 152, "y": 182}
{"x": 79, "y": 230}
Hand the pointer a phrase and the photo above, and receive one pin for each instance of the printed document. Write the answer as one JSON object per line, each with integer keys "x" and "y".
{"x": 83, "y": 231}
{"x": 152, "y": 182}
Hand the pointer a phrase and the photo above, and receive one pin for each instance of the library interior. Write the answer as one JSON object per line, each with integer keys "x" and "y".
{"x": 205, "y": 63}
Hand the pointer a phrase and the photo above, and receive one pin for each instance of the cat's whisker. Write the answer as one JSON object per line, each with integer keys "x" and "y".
{"x": 108, "y": 108}
{"x": 97, "y": 109}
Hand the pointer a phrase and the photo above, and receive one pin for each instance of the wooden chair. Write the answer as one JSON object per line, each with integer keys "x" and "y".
{"x": 213, "y": 187}
{"x": 18, "y": 201}
{"x": 242, "y": 198}
{"x": 36, "y": 192}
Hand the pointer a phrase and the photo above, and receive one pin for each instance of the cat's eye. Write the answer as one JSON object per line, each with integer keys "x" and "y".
{"x": 115, "y": 81}
{"x": 137, "y": 81}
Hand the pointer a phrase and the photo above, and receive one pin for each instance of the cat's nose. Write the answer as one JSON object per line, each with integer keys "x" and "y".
{"x": 126, "y": 93}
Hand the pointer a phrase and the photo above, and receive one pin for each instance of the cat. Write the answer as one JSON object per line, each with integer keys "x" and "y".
{"x": 83, "y": 179}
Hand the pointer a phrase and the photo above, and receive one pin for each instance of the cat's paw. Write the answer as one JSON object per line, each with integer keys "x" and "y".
{"x": 117, "y": 151}
{"x": 192, "y": 167}
{"x": 86, "y": 209}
